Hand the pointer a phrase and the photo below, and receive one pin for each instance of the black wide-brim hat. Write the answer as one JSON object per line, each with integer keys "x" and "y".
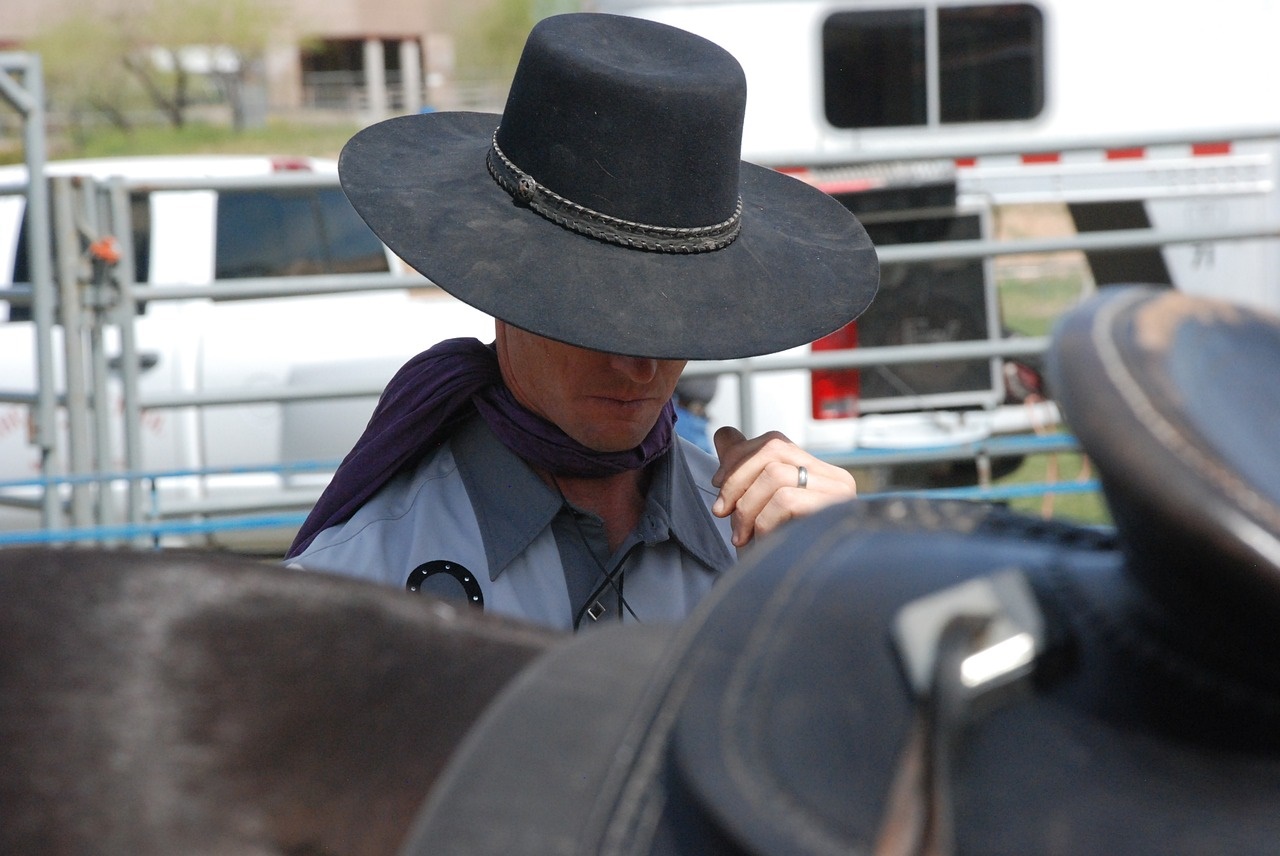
{"x": 820, "y": 699}
{"x": 611, "y": 210}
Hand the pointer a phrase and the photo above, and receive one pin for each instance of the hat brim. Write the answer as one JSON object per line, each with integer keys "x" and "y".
{"x": 802, "y": 266}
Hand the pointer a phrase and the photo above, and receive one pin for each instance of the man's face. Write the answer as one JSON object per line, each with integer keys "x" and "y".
{"x": 604, "y": 401}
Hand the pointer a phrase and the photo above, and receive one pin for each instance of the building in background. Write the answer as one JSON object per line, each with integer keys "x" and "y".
{"x": 371, "y": 57}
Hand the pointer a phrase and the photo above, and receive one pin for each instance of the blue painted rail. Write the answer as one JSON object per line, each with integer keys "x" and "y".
{"x": 196, "y": 525}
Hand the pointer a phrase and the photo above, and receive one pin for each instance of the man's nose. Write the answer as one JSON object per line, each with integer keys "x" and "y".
{"x": 637, "y": 369}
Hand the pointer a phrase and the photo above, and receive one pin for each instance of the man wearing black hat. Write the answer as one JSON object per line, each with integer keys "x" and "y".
{"x": 606, "y": 221}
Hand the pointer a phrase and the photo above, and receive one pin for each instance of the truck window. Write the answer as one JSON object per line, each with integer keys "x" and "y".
{"x": 292, "y": 232}
{"x": 990, "y": 66}
{"x": 140, "y": 216}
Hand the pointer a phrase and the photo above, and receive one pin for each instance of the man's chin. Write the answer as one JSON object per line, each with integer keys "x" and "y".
{"x": 606, "y": 448}
{"x": 616, "y": 441}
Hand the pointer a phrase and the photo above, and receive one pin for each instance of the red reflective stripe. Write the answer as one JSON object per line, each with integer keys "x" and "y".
{"x": 799, "y": 173}
{"x": 290, "y": 164}
{"x": 1126, "y": 154}
{"x": 1211, "y": 149}
{"x": 853, "y": 185}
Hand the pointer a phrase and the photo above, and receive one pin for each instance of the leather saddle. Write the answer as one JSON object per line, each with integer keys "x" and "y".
{"x": 901, "y": 675}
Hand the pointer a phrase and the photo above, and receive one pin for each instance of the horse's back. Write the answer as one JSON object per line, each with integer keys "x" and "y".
{"x": 165, "y": 702}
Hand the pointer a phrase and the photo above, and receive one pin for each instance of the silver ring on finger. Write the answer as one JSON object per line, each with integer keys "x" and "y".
{"x": 802, "y": 477}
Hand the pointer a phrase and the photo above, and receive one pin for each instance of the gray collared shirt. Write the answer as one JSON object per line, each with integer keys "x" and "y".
{"x": 474, "y": 521}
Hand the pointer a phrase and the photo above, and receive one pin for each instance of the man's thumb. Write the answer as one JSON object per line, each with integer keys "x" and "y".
{"x": 726, "y": 438}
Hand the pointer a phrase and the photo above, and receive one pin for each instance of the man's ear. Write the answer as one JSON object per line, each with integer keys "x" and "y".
{"x": 500, "y": 331}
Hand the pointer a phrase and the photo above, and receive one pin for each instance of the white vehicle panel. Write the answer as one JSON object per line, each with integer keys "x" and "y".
{"x": 202, "y": 346}
{"x": 182, "y": 243}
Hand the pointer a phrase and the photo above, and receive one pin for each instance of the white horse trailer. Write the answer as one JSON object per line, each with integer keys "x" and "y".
{"x": 1146, "y": 117}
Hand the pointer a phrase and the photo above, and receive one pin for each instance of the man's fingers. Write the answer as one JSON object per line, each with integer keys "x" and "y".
{"x": 742, "y": 463}
{"x": 760, "y": 482}
{"x": 726, "y": 440}
{"x": 765, "y": 494}
{"x": 775, "y": 496}
{"x": 741, "y": 460}
{"x": 787, "y": 504}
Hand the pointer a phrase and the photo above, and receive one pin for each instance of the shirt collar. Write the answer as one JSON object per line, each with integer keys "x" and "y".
{"x": 513, "y": 505}
{"x": 674, "y": 491}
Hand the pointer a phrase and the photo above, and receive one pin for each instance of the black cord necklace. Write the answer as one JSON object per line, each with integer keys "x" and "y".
{"x": 592, "y": 607}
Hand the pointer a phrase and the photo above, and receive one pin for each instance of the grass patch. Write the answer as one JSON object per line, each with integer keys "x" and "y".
{"x": 1032, "y": 299}
{"x": 1085, "y": 505}
{"x": 1030, "y": 307}
{"x": 280, "y": 138}
{"x": 1059, "y": 468}
{"x": 315, "y": 139}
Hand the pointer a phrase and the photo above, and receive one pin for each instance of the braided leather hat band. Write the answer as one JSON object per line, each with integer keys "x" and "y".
{"x": 526, "y": 190}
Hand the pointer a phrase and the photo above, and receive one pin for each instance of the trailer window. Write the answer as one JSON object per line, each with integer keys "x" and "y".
{"x": 992, "y": 62}
{"x": 292, "y": 232}
{"x": 877, "y": 70}
{"x": 873, "y": 67}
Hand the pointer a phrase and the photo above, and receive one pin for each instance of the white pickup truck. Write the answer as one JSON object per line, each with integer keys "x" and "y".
{"x": 256, "y": 224}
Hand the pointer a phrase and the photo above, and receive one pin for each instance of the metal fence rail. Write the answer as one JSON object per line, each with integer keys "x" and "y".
{"x": 151, "y": 532}
{"x": 87, "y": 300}
{"x": 161, "y": 524}
{"x": 148, "y": 521}
{"x": 22, "y": 85}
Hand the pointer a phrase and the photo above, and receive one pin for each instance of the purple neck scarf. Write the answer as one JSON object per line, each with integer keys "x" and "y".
{"x": 425, "y": 402}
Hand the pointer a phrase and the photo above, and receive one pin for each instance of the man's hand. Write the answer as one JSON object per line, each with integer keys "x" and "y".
{"x": 759, "y": 482}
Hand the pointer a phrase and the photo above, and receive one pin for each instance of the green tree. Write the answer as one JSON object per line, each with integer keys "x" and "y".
{"x": 491, "y": 36}
{"x": 85, "y": 77}
{"x": 232, "y": 34}
{"x": 159, "y": 53}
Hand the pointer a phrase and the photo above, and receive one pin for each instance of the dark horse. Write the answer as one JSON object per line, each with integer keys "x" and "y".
{"x": 186, "y": 703}
{"x": 892, "y": 676}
